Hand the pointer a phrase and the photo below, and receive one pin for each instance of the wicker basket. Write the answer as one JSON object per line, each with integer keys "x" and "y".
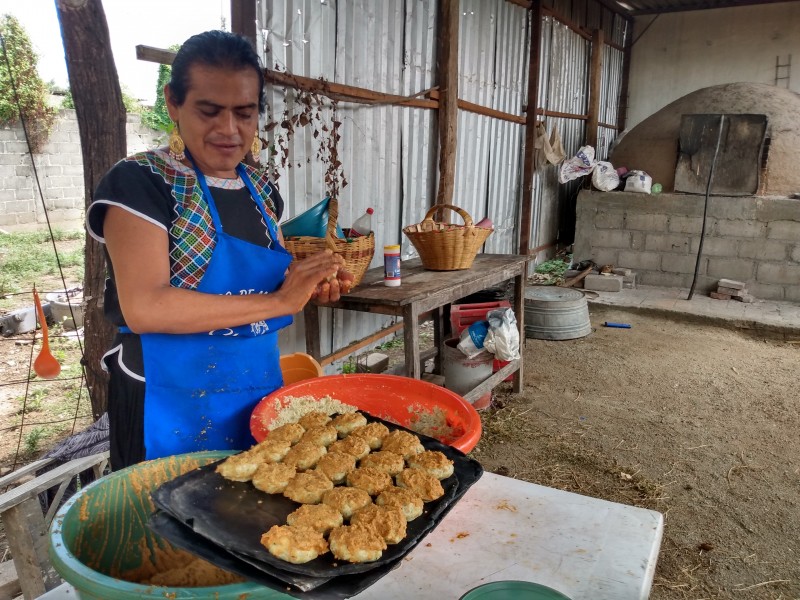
{"x": 357, "y": 252}
{"x": 445, "y": 247}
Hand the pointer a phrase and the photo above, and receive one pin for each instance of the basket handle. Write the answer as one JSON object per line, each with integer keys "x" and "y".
{"x": 333, "y": 216}
{"x": 464, "y": 214}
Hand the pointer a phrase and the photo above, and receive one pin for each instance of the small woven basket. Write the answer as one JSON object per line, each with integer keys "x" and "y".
{"x": 446, "y": 247}
{"x": 357, "y": 252}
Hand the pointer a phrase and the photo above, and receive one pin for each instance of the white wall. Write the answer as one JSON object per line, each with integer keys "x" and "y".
{"x": 683, "y": 52}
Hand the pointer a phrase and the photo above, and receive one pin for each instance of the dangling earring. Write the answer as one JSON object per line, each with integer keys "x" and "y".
{"x": 176, "y": 145}
{"x": 255, "y": 149}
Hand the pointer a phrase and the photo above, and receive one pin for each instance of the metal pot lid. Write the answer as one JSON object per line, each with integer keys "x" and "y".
{"x": 546, "y": 293}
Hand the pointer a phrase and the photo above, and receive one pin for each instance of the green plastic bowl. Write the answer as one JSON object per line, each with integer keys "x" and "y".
{"x": 102, "y": 532}
{"x": 513, "y": 590}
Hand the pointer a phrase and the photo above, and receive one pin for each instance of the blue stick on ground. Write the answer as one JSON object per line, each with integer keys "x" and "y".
{"x": 617, "y": 325}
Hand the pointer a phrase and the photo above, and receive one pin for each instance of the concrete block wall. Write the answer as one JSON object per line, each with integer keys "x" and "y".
{"x": 60, "y": 170}
{"x": 750, "y": 239}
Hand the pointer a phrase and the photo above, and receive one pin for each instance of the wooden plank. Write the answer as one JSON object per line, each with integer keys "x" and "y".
{"x": 365, "y": 341}
{"x": 48, "y": 480}
{"x": 489, "y": 384}
{"x": 579, "y": 277}
{"x": 156, "y": 55}
{"x": 24, "y": 525}
{"x": 519, "y": 314}
{"x": 738, "y": 163}
{"x": 447, "y": 78}
{"x": 411, "y": 340}
{"x": 622, "y": 109}
{"x": 311, "y": 320}
{"x": 18, "y": 474}
{"x": 561, "y": 115}
{"x": 595, "y": 82}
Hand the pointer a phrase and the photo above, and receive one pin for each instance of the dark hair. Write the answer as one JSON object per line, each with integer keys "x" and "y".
{"x": 215, "y": 49}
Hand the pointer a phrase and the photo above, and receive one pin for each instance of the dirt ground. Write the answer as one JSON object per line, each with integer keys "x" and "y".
{"x": 697, "y": 422}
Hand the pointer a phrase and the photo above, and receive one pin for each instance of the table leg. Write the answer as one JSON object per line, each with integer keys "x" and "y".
{"x": 519, "y": 313}
{"x": 311, "y": 321}
{"x": 411, "y": 341}
{"x": 438, "y": 338}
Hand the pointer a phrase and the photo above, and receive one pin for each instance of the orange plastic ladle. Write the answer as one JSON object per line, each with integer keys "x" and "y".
{"x": 45, "y": 366}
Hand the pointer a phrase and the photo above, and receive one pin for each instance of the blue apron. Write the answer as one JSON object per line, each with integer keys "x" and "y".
{"x": 201, "y": 388}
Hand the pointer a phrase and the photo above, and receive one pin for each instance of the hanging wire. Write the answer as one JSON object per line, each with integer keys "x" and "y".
{"x": 55, "y": 251}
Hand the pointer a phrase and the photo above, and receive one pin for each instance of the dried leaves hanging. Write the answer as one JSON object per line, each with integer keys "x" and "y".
{"x": 307, "y": 110}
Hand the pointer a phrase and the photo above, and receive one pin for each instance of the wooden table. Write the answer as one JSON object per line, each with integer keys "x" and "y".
{"x": 503, "y": 529}
{"x": 424, "y": 292}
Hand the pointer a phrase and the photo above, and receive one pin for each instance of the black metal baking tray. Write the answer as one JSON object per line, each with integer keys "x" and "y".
{"x": 338, "y": 588}
{"x": 234, "y": 515}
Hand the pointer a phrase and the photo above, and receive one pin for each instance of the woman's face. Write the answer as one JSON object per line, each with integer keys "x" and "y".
{"x": 219, "y": 118}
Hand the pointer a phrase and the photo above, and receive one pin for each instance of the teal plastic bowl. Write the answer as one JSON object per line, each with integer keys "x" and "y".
{"x": 513, "y": 590}
{"x": 101, "y": 532}
{"x": 313, "y": 222}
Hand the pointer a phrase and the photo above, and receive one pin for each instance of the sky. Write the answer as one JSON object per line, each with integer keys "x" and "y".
{"x": 158, "y": 23}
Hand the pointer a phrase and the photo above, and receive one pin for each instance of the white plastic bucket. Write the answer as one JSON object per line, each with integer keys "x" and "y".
{"x": 462, "y": 374}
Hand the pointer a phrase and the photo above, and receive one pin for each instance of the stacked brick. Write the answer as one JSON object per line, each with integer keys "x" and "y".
{"x": 729, "y": 289}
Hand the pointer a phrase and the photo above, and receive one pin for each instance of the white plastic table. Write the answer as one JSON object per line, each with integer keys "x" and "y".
{"x": 502, "y": 528}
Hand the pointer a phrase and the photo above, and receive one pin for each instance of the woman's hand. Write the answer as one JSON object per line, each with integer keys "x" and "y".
{"x": 306, "y": 278}
{"x": 331, "y": 291}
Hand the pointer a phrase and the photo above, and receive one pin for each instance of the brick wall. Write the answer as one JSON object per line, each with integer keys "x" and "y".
{"x": 60, "y": 170}
{"x": 750, "y": 239}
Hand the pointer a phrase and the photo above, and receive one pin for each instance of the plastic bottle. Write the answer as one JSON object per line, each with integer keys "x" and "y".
{"x": 363, "y": 224}
{"x": 391, "y": 265}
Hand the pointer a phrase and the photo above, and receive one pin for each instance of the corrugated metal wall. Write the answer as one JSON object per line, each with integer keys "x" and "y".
{"x": 389, "y": 154}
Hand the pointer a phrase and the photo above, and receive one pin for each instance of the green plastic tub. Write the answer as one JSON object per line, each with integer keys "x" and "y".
{"x": 101, "y": 533}
{"x": 513, "y": 590}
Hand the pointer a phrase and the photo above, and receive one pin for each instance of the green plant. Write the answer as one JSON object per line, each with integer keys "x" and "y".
{"x": 391, "y": 344}
{"x": 31, "y": 92}
{"x": 349, "y": 367}
{"x": 32, "y": 439}
{"x": 555, "y": 267}
{"x": 157, "y": 117}
{"x": 34, "y": 401}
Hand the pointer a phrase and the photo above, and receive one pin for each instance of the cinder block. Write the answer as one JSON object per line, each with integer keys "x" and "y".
{"x": 718, "y": 296}
{"x": 571, "y": 273}
{"x": 374, "y": 363}
{"x": 731, "y": 291}
{"x": 629, "y": 281}
{"x": 603, "y": 283}
{"x": 730, "y": 283}
{"x": 621, "y": 271}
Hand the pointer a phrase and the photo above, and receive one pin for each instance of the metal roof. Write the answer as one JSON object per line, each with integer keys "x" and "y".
{"x": 645, "y": 7}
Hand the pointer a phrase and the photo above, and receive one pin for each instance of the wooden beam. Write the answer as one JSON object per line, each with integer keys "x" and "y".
{"x": 562, "y": 115}
{"x": 365, "y": 341}
{"x": 528, "y": 165}
{"x": 447, "y": 76}
{"x": 482, "y": 110}
{"x": 156, "y": 55}
{"x": 595, "y": 82}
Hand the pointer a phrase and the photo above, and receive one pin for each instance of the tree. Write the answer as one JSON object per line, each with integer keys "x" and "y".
{"x": 28, "y": 94}
{"x": 158, "y": 117}
{"x": 101, "y": 122}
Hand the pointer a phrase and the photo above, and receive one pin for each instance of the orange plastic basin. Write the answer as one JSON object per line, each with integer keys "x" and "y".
{"x": 401, "y": 400}
{"x": 299, "y": 366}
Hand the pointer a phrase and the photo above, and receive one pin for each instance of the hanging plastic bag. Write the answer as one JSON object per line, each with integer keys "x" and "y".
{"x": 502, "y": 339}
{"x": 579, "y": 165}
{"x": 604, "y": 177}
{"x": 473, "y": 338}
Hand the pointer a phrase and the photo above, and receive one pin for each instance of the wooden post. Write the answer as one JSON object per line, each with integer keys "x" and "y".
{"x": 243, "y": 19}
{"x": 101, "y": 124}
{"x": 447, "y": 77}
{"x": 622, "y": 105}
{"x": 595, "y": 82}
{"x": 529, "y": 168}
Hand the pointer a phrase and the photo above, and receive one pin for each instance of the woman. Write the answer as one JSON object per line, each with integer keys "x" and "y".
{"x": 199, "y": 282}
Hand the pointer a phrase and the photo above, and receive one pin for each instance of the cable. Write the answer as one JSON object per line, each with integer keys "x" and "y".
{"x": 705, "y": 207}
